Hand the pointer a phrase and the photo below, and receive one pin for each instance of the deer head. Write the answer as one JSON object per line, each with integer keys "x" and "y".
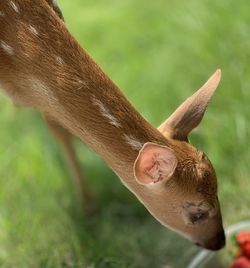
{"x": 181, "y": 179}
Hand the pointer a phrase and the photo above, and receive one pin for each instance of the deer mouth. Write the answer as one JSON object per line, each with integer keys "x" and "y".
{"x": 214, "y": 244}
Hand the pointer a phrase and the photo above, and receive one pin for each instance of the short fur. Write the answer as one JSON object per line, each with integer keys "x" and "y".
{"x": 63, "y": 91}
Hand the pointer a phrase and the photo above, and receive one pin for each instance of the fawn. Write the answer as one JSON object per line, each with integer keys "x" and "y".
{"x": 43, "y": 66}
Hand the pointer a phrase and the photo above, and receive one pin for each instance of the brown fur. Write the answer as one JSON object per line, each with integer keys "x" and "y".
{"x": 33, "y": 77}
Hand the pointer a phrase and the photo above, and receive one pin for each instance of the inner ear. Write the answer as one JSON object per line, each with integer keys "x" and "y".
{"x": 154, "y": 164}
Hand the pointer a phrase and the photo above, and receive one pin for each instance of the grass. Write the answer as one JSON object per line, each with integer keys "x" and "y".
{"x": 158, "y": 54}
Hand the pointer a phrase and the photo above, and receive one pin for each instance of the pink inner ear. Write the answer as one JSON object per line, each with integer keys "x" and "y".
{"x": 154, "y": 164}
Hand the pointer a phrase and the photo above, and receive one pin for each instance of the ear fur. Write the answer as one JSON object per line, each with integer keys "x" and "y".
{"x": 190, "y": 113}
{"x": 154, "y": 164}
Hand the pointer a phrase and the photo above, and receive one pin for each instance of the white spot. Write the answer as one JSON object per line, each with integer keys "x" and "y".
{"x": 33, "y": 30}
{"x": 105, "y": 112}
{"x": 59, "y": 60}
{"x": 8, "y": 49}
{"x": 2, "y": 14}
{"x": 14, "y": 6}
{"x": 82, "y": 84}
{"x": 133, "y": 142}
{"x": 42, "y": 90}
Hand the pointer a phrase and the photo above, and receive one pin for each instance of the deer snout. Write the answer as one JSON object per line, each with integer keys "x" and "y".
{"x": 215, "y": 243}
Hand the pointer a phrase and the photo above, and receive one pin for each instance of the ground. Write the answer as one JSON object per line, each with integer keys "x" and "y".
{"x": 158, "y": 52}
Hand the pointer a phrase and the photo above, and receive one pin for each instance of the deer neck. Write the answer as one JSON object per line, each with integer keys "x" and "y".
{"x": 101, "y": 116}
{"x": 60, "y": 79}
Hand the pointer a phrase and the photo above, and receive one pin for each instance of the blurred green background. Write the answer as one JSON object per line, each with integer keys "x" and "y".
{"x": 158, "y": 52}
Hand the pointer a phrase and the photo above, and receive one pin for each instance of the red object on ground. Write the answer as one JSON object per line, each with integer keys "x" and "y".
{"x": 246, "y": 249}
{"x": 243, "y": 237}
{"x": 241, "y": 262}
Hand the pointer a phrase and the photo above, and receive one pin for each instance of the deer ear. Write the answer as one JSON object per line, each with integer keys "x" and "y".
{"x": 154, "y": 164}
{"x": 190, "y": 113}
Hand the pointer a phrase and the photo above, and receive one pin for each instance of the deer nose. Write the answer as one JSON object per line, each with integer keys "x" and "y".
{"x": 215, "y": 243}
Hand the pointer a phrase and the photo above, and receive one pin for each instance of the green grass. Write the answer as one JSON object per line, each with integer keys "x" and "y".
{"x": 158, "y": 52}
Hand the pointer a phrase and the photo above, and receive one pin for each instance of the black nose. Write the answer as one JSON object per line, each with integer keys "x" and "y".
{"x": 215, "y": 243}
{"x": 221, "y": 242}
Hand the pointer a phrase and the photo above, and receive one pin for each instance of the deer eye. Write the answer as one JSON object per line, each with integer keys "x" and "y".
{"x": 198, "y": 217}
